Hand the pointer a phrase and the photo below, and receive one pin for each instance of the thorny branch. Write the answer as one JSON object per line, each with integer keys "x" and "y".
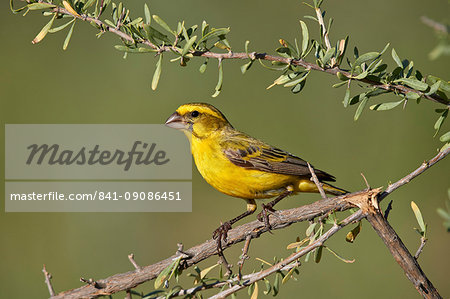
{"x": 257, "y": 55}
{"x": 128, "y": 280}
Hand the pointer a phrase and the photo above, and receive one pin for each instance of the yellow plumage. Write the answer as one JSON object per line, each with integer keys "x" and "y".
{"x": 239, "y": 165}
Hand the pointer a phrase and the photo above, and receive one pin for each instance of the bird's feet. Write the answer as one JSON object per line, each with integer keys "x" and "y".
{"x": 221, "y": 233}
{"x": 263, "y": 216}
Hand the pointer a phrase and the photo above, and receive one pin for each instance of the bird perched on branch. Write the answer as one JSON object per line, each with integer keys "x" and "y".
{"x": 242, "y": 166}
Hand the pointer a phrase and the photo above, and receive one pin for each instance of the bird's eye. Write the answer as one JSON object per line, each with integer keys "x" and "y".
{"x": 195, "y": 113}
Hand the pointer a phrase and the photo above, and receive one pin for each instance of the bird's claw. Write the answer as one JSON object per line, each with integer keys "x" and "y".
{"x": 221, "y": 233}
{"x": 263, "y": 216}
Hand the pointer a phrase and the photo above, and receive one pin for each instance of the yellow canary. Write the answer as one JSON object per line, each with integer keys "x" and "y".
{"x": 242, "y": 166}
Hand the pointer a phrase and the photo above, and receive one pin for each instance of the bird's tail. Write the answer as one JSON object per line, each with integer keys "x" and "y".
{"x": 330, "y": 189}
{"x": 309, "y": 186}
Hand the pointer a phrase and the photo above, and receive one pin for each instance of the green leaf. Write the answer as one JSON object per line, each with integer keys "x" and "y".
{"x": 188, "y": 45}
{"x": 365, "y": 57}
{"x": 69, "y": 35}
{"x": 311, "y": 228}
{"x": 412, "y": 95}
{"x": 396, "y": 58}
{"x": 361, "y": 76}
{"x": 339, "y": 257}
{"x": 154, "y": 33}
{"x": 157, "y": 75}
{"x": 245, "y": 67}
{"x": 360, "y": 108}
{"x": 351, "y": 236}
{"x": 346, "y": 98}
{"x": 202, "y": 68}
{"x": 38, "y": 6}
{"x": 219, "y": 81}
{"x": 440, "y": 121}
{"x": 434, "y": 88}
{"x": 299, "y": 87}
{"x": 284, "y": 52}
{"x": 445, "y": 137}
{"x": 163, "y": 24}
{"x": 44, "y": 31}
{"x": 328, "y": 54}
{"x": 305, "y": 36}
{"x": 88, "y": 4}
{"x": 337, "y": 85}
{"x": 385, "y": 106}
{"x": 148, "y": 16}
{"x": 419, "y": 217}
{"x": 276, "y": 284}
{"x": 215, "y": 32}
{"x": 413, "y": 83}
{"x": 59, "y": 28}
{"x": 166, "y": 272}
{"x": 318, "y": 254}
{"x": 297, "y": 81}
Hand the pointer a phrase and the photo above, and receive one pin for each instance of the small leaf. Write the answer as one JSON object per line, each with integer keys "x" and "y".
{"x": 305, "y": 38}
{"x": 59, "y": 28}
{"x": 365, "y": 57}
{"x": 440, "y": 121}
{"x": 328, "y": 54}
{"x": 339, "y": 257}
{"x": 412, "y": 95}
{"x": 276, "y": 284}
{"x": 385, "y": 106}
{"x": 445, "y": 137}
{"x": 351, "y": 236}
{"x": 297, "y": 81}
{"x": 341, "y": 76}
{"x": 434, "y": 88}
{"x": 337, "y": 85}
{"x": 418, "y": 215}
{"x": 70, "y": 9}
{"x": 360, "y": 108}
{"x": 166, "y": 272}
{"x": 163, "y": 24}
{"x": 215, "y": 32}
{"x": 157, "y": 73}
{"x": 219, "y": 81}
{"x": 311, "y": 228}
{"x": 44, "y": 31}
{"x": 255, "y": 291}
{"x": 288, "y": 275}
{"x": 414, "y": 83}
{"x": 202, "y": 68}
{"x": 361, "y": 76}
{"x": 346, "y": 98}
{"x": 69, "y": 35}
{"x": 188, "y": 45}
{"x": 133, "y": 50}
{"x": 297, "y": 244}
{"x": 396, "y": 58}
{"x": 318, "y": 254}
{"x": 246, "y": 66}
{"x": 148, "y": 16}
{"x": 37, "y": 6}
{"x": 299, "y": 87}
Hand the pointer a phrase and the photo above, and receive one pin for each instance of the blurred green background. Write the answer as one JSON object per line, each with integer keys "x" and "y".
{"x": 90, "y": 83}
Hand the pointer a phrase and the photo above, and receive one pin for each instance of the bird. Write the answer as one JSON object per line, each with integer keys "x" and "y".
{"x": 241, "y": 166}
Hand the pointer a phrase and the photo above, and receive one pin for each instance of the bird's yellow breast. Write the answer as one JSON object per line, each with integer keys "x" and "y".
{"x": 234, "y": 180}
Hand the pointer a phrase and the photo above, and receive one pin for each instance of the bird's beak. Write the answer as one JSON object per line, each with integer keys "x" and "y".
{"x": 176, "y": 121}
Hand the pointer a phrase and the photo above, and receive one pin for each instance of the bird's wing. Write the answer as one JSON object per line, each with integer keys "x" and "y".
{"x": 250, "y": 153}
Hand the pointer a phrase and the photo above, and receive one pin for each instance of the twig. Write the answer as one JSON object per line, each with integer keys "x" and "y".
{"x": 48, "y": 281}
{"x": 263, "y": 56}
{"x": 423, "y": 241}
{"x": 131, "y": 258}
{"x": 317, "y": 182}
{"x": 128, "y": 294}
{"x": 365, "y": 180}
{"x": 244, "y": 255}
{"x": 324, "y": 33}
{"x": 405, "y": 180}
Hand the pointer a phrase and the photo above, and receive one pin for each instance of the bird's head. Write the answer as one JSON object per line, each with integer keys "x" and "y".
{"x": 198, "y": 119}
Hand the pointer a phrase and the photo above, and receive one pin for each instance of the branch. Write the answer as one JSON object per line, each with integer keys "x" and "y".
{"x": 196, "y": 254}
{"x": 48, "y": 281}
{"x": 401, "y": 255}
{"x": 397, "y": 88}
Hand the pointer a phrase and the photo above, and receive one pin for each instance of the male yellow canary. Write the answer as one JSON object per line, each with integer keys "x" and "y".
{"x": 242, "y": 166}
